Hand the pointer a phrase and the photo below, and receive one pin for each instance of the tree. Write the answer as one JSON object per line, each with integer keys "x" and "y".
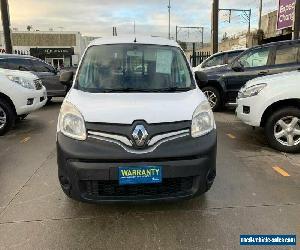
{"x": 29, "y": 27}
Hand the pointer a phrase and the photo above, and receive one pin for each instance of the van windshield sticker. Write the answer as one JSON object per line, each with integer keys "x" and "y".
{"x": 164, "y": 61}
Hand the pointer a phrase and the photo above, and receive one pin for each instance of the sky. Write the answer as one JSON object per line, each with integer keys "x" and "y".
{"x": 97, "y": 17}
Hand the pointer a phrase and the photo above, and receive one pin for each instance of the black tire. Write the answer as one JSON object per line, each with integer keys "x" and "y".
{"x": 6, "y": 110}
{"x": 286, "y": 114}
{"x": 216, "y": 103}
{"x": 49, "y": 99}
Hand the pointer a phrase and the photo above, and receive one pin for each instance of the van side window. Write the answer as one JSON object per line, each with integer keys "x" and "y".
{"x": 286, "y": 54}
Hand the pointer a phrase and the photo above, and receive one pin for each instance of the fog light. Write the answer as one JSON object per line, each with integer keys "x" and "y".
{"x": 30, "y": 101}
{"x": 246, "y": 110}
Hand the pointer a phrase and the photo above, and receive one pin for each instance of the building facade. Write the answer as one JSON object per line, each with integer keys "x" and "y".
{"x": 61, "y": 49}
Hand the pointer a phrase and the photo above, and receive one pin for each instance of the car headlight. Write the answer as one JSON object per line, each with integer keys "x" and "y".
{"x": 24, "y": 82}
{"x": 203, "y": 120}
{"x": 251, "y": 91}
{"x": 71, "y": 122}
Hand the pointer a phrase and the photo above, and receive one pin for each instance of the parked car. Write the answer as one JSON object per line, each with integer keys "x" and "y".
{"x": 273, "y": 102}
{"x": 218, "y": 59}
{"x": 224, "y": 82}
{"x": 45, "y": 72}
{"x": 20, "y": 94}
{"x": 127, "y": 136}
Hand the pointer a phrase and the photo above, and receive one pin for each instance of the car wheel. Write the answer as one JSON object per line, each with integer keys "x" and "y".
{"x": 7, "y": 117}
{"x": 283, "y": 130}
{"x": 213, "y": 96}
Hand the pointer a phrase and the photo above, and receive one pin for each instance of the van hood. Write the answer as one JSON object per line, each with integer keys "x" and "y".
{"x": 125, "y": 108}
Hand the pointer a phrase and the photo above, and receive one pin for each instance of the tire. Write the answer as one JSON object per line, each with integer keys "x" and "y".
{"x": 49, "y": 99}
{"x": 281, "y": 126}
{"x": 213, "y": 96}
{"x": 8, "y": 117}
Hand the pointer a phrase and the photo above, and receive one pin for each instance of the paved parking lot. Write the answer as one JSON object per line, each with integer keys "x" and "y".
{"x": 252, "y": 194}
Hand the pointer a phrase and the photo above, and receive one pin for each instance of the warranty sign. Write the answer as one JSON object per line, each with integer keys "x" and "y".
{"x": 140, "y": 175}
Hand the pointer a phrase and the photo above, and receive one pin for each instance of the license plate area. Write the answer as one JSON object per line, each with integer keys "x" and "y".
{"x": 140, "y": 175}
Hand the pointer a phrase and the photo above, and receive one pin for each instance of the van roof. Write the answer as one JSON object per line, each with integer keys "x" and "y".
{"x": 135, "y": 40}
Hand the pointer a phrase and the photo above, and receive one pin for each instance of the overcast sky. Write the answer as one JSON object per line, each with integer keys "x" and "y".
{"x": 96, "y": 17}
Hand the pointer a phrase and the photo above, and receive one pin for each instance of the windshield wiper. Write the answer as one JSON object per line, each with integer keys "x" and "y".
{"x": 175, "y": 89}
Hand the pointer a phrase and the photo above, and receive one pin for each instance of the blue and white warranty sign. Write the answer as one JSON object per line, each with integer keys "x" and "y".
{"x": 140, "y": 175}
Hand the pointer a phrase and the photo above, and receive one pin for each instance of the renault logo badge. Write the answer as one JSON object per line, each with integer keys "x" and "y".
{"x": 140, "y": 135}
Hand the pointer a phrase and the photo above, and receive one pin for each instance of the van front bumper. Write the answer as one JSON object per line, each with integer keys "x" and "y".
{"x": 88, "y": 170}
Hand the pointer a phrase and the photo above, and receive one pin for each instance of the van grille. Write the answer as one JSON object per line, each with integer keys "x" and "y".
{"x": 169, "y": 187}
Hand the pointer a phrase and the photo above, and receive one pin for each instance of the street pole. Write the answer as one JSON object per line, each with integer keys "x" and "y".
{"x": 176, "y": 33}
{"x": 169, "y": 7}
{"x": 194, "y": 55}
{"x": 297, "y": 20}
{"x": 6, "y": 26}
{"x": 249, "y": 24}
{"x": 202, "y": 36}
{"x": 215, "y": 26}
{"x": 260, "y": 15}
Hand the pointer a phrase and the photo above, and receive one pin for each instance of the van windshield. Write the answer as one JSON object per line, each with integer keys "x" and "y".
{"x": 134, "y": 68}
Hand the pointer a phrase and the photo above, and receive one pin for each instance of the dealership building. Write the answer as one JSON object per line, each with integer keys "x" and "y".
{"x": 59, "y": 48}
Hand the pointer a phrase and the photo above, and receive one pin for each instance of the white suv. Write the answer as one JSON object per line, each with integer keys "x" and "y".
{"x": 273, "y": 102}
{"x": 20, "y": 94}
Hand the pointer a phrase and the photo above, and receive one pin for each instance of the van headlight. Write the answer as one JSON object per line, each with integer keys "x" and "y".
{"x": 203, "y": 120}
{"x": 251, "y": 91}
{"x": 24, "y": 82}
{"x": 71, "y": 122}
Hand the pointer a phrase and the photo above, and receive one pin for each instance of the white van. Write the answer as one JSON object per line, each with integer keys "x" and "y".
{"x": 134, "y": 125}
{"x": 20, "y": 94}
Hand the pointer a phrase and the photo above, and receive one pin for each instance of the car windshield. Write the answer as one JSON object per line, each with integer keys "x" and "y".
{"x": 133, "y": 67}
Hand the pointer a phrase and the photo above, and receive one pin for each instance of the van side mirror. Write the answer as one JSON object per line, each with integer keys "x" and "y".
{"x": 66, "y": 78}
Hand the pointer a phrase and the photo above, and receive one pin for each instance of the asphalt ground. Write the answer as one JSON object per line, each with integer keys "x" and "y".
{"x": 256, "y": 191}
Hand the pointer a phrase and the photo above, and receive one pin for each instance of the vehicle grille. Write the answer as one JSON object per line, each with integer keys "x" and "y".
{"x": 169, "y": 187}
{"x": 38, "y": 84}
